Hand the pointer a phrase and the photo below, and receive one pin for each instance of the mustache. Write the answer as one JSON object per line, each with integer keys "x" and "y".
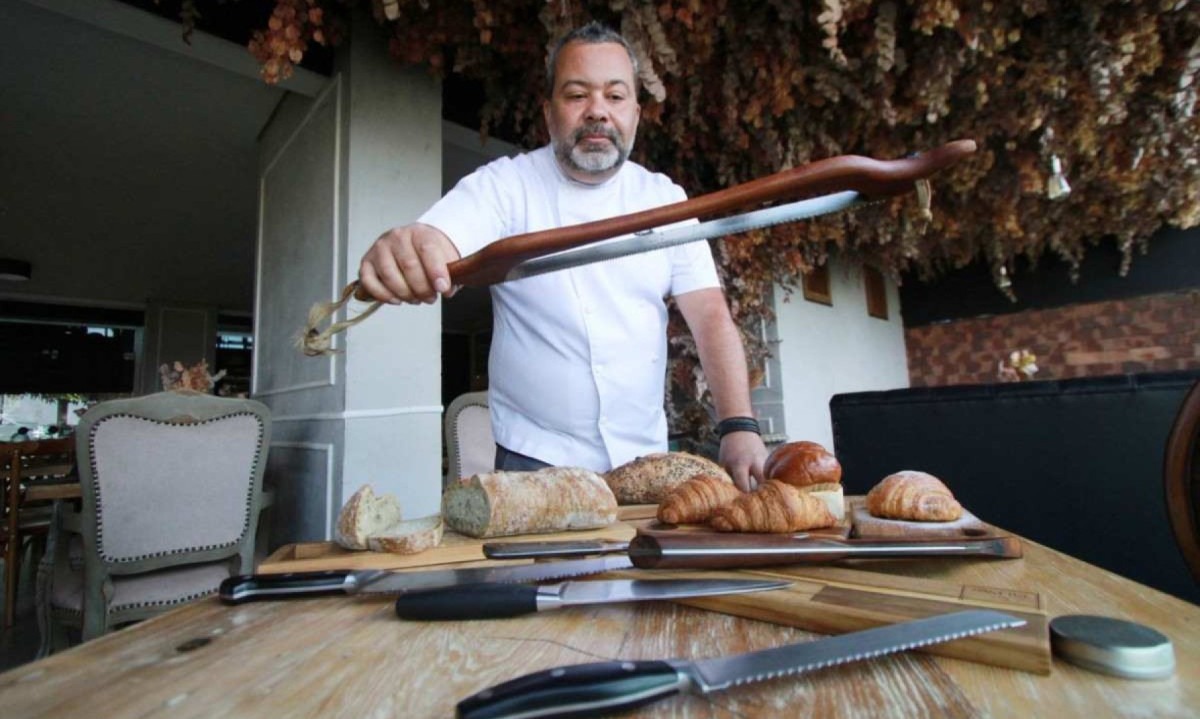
{"x": 596, "y": 129}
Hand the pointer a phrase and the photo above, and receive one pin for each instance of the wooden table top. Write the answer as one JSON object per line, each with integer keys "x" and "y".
{"x": 342, "y": 657}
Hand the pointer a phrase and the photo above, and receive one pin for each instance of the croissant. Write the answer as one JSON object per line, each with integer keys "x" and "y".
{"x": 775, "y": 507}
{"x": 694, "y": 500}
{"x": 913, "y": 495}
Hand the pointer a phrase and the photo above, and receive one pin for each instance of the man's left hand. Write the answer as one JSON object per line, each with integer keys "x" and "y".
{"x": 742, "y": 455}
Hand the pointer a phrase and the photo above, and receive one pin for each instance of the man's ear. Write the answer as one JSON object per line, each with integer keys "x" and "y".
{"x": 546, "y": 113}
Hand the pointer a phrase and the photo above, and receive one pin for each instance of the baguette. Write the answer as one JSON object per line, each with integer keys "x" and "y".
{"x": 649, "y": 479}
{"x": 554, "y": 499}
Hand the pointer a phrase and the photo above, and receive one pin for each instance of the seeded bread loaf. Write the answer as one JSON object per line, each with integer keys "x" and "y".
{"x": 649, "y": 479}
{"x": 408, "y": 537}
{"x": 365, "y": 514}
{"x": 553, "y": 499}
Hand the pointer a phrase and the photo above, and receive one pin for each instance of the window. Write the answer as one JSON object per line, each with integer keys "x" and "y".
{"x": 816, "y": 285}
{"x": 876, "y": 288}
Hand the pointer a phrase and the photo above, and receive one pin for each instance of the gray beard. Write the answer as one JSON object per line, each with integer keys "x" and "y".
{"x": 574, "y": 156}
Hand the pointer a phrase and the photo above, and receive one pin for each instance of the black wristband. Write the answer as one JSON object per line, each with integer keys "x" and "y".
{"x": 737, "y": 424}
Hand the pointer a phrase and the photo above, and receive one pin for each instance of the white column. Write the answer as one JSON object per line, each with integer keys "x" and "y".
{"x": 335, "y": 172}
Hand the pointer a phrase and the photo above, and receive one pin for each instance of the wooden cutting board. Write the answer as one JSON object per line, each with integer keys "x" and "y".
{"x": 968, "y": 526}
{"x": 837, "y": 600}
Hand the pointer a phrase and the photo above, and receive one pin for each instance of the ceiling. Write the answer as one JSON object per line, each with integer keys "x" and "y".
{"x": 129, "y": 168}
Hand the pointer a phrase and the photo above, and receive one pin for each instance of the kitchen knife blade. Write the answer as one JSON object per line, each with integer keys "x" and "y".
{"x": 693, "y": 550}
{"x": 601, "y": 688}
{"x": 535, "y": 550}
{"x": 658, "y": 239}
{"x": 719, "y": 551}
{"x": 495, "y": 601}
{"x": 248, "y": 587}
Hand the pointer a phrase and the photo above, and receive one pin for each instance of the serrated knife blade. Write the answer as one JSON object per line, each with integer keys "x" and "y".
{"x": 291, "y": 585}
{"x": 605, "y": 687}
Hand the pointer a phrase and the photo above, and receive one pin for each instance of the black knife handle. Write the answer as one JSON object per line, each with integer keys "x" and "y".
{"x": 483, "y": 600}
{"x": 289, "y": 585}
{"x": 579, "y": 690}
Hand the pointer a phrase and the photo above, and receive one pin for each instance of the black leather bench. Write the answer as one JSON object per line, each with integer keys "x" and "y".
{"x": 1073, "y": 464}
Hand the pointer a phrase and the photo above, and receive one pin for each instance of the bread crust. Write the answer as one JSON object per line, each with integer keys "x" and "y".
{"x": 649, "y": 479}
{"x": 801, "y": 464}
{"x": 694, "y": 500}
{"x": 913, "y": 495}
{"x": 409, "y": 537}
{"x": 774, "y": 507}
{"x": 364, "y": 514}
{"x": 554, "y": 499}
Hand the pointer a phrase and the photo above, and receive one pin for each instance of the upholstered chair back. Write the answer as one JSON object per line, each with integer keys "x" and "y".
{"x": 164, "y": 487}
{"x": 171, "y": 487}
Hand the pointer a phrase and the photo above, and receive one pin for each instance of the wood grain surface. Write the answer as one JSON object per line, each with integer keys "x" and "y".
{"x": 865, "y": 525}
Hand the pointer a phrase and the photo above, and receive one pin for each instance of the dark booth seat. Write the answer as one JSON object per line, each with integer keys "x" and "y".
{"x": 1073, "y": 464}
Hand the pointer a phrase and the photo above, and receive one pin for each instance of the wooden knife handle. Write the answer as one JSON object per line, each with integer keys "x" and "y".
{"x": 869, "y": 177}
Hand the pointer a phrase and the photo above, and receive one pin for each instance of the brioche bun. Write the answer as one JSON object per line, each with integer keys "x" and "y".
{"x": 803, "y": 464}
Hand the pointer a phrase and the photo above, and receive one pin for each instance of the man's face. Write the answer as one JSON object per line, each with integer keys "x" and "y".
{"x": 593, "y": 114}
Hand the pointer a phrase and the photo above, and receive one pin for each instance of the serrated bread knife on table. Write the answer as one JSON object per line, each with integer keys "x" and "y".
{"x": 293, "y": 585}
{"x": 603, "y": 688}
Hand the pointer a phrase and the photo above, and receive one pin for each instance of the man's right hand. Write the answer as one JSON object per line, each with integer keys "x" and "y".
{"x": 408, "y": 265}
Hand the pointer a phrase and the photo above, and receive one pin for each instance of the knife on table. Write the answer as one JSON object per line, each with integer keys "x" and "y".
{"x": 605, "y": 687}
{"x": 291, "y": 585}
{"x": 495, "y": 601}
{"x": 660, "y": 550}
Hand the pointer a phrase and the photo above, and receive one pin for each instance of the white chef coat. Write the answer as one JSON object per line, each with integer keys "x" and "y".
{"x": 578, "y": 356}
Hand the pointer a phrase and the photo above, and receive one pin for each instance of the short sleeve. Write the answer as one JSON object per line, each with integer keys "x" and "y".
{"x": 473, "y": 213}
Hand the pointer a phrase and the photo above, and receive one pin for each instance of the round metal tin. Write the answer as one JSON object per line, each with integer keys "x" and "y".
{"x": 1112, "y": 646}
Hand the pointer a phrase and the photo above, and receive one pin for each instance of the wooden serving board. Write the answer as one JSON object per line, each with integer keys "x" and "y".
{"x": 454, "y": 549}
{"x": 837, "y": 600}
{"x": 968, "y": 526}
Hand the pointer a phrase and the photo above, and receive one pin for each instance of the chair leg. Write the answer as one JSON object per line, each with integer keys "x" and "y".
{"x": 11, "y": 576}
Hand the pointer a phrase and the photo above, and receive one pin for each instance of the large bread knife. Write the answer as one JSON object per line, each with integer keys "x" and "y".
{"x": 603, "y": 688}
{"x": 697, "y": 550}
{"x": 292, "y": 585}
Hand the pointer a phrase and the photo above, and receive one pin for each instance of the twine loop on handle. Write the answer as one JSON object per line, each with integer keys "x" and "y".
{"x": 316, "y": 342}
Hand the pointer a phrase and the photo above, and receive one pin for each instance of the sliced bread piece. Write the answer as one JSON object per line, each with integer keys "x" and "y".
{"x": 409, "y": 536}
{"x": 365, "y": 514}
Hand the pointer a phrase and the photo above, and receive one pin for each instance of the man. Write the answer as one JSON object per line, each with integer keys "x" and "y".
{"x": 578, "y": 356}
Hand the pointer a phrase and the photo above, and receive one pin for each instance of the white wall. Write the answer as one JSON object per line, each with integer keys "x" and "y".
{"x": 825, "y": 350}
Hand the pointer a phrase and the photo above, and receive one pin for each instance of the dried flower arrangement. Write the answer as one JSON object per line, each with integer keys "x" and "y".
{"x": 1103, "y": 93}
{"x": 196, "y": 378}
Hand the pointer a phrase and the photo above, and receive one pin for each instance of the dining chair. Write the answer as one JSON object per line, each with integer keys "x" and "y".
{"x": 171, "y": 489}
{"x": 1181, "y": 479}
{"x": 470, "y": 447}
{"x": 26, "y": 465}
